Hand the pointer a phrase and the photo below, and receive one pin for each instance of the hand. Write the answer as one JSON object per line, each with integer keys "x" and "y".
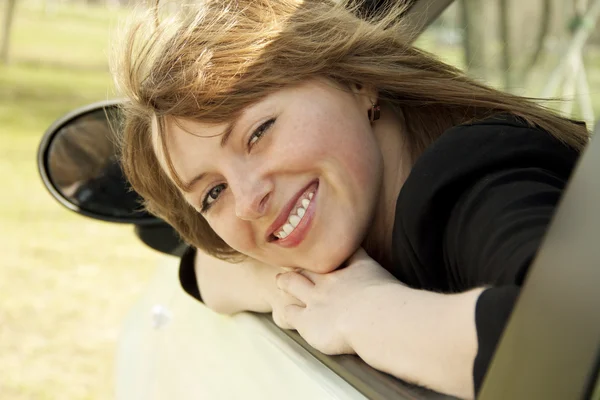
{"x": 279, "y": 301}
{"x": 330, "y": 302}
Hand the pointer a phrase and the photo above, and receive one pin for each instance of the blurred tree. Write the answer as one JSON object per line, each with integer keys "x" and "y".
{"x": 524, "y": 32}
{"x": 569, "y": 75}
{"x": 544, "y": 30}
{"x": 475, "y": 39}
{"x": 9, "y": 14}
{"x": 507, "y": 49}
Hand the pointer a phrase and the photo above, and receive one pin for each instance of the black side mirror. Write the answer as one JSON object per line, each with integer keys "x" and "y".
{"x": 78, "y": 163}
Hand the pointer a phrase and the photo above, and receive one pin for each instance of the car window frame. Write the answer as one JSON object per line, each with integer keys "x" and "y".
{"x": 528, "y": 362}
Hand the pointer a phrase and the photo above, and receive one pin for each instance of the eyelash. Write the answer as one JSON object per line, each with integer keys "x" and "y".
{"x": 260, "y": 132}
{"x": 205, "y": 204}
{"x": 257, "y": 135}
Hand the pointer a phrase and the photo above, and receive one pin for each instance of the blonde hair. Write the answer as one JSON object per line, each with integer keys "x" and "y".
{"x": 214, "y": 59}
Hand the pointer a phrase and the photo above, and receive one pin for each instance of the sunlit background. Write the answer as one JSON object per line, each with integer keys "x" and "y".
{"x": 67, "y": 282}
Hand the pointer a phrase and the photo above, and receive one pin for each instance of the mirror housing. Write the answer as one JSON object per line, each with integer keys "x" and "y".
{"x": 78, "y": 163}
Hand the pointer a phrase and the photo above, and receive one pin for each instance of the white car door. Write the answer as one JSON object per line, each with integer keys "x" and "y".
{"x": 173, "y": 347}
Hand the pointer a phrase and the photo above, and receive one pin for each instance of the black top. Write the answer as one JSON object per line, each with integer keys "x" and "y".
{"x": 472, "y": 213}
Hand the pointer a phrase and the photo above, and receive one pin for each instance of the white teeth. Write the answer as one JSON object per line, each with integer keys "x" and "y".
{"x": 294, "y": 220}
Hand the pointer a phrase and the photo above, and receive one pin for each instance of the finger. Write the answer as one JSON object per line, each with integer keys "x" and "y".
{"x": 296, "y": 285}
{"x": 312, "y": 276}
{"x": 291, "y": 269}
{"x": 280, "y": 321}
{"x": 292, "y": 315}
{"x": 286, "y": 298}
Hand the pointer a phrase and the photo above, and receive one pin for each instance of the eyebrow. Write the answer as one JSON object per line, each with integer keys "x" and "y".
{"x": 187, "y": 186}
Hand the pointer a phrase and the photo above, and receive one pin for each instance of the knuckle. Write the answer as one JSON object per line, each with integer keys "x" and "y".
{"x": 280, "y": 321}
{"x": 283, "y": 281}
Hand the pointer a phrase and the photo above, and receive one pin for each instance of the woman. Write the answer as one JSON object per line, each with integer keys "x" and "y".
{"x": 370, "y": 196}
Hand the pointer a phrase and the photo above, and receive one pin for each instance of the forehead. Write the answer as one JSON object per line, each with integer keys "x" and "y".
{"x": 191, "y": 144}
{"x": 185, "y": 144}
{"x": 183, "y": 137}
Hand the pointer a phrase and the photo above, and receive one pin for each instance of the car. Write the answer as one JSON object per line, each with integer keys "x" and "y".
{"x": 173, "y": 347}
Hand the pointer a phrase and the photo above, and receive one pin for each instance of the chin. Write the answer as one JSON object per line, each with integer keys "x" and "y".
{"x": 330, "y": 261}
{"x": 323, "y": 268}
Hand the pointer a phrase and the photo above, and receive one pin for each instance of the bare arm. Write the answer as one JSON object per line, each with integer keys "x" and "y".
{"x": 229, "y": 288}
{"x": 430, "y": 339}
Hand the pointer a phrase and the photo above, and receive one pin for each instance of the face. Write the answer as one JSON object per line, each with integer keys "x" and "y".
{"x": 297, "y": 180}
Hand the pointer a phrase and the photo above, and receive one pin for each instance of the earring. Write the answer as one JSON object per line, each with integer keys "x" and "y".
{"x": 374, "y": 112}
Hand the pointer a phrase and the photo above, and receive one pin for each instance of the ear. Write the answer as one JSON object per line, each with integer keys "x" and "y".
{"x": 366, "y": 95}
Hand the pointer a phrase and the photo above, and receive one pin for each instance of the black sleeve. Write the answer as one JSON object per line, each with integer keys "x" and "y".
{"x": 473, "y": 212}
{"x": 187, "y": 273}
{"x": 492, "y": 236}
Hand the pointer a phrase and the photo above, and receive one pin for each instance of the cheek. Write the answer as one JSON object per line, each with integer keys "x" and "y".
{"x": 235, "y": 232}
{"x": 326, "y": 137}
{"x": 351, "y": 145}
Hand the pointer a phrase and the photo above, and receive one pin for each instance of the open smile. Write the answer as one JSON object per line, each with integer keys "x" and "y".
{"x": 293, "y": 224}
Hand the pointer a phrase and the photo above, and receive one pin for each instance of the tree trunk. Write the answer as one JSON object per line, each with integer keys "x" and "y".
{"x": 474, "y": 41}
{"x": 541, "y": 38}
{"x": 9, "y": 14}
{"x": 573, "y": 49}
{"x": 505, "y": 39}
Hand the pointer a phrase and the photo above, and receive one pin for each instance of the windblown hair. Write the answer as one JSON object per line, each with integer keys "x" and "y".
{"x": 217, "y": 57}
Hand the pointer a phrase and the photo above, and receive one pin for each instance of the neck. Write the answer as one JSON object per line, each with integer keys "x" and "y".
{"x": 389, "y": 133}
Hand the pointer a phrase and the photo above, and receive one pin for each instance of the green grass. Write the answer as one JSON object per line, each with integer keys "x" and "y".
{"x": 66, "y": 281}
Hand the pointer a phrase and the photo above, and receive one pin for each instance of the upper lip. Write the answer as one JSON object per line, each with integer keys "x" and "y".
{"x": 285, "y": 213}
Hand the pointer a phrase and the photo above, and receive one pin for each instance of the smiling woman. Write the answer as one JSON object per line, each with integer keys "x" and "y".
{"x": 296, "y": 134}
{"x": 301, "y": 169}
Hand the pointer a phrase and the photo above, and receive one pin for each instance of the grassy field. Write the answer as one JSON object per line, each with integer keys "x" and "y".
{"x": 66, "y": 281}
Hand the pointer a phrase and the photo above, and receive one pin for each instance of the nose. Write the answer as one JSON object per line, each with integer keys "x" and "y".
{"x": 252, "y": 192}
